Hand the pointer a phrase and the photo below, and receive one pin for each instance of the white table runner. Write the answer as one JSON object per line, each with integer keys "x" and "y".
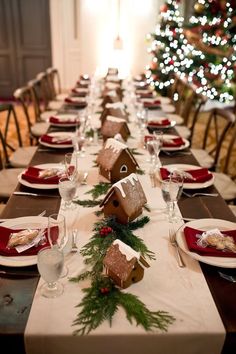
{"x": 183, "y": 292}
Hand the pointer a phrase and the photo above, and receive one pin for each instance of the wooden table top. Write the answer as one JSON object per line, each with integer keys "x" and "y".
{"x": 16, "y": 294}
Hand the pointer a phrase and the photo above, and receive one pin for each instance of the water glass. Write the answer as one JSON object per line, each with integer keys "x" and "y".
{"x": 50, "y": 263}
{"x": 71, "y": 166}
{"x": 67, "y": 191}
{"x": 171, "y": 191}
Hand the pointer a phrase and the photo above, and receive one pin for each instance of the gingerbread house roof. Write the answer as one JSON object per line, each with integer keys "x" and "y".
{"x": 121, "y": 258}
{"x": 129, "y": 193}
{"x": 110, "y": 153}
{"x": 113, "y": 125}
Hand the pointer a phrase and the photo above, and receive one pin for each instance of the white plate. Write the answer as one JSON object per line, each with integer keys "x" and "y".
{"x": 184, "y": 167}
{"x": 184, "y": 146}
{"x": 168, "y": 108}
{"x": 207, "y": 224}
{"x": 40, "y": 186}
{"x": 61, "y": 146}
{"x": 64, "y": 117}
{"x": 22, "y": 223}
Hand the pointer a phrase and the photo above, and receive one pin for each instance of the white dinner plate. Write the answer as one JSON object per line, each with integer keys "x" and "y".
{"x": 168, "y": 108}
{"x": 23, "y": 223}
{"x": 207, "y": 224}
{"x": 182, "y": 147}
{"x": 41, "y": 186}
{"x": 59, "y": 146}
{"x": 185, "y": 167}
{"x": 65, "y": 117}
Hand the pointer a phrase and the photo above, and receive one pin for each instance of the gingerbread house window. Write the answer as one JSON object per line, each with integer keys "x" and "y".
{"x": 123, "y": 169}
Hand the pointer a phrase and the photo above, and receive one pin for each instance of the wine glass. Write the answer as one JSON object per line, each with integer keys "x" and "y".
{"x": 71, "y": 166}
{"x": 50, "y": 263}
{"x": 171, "y": 191}
{"x": 57, "y": 235}
{"x": 67, "y": 191}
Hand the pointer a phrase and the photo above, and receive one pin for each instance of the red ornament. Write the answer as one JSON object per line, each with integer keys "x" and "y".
{"x": 153, "y": 65}
{"x": 171, "y": 62}
{"x": 105, "y": 230}
{"x": 164, "y": 8}
{"x": 104, "y": 291}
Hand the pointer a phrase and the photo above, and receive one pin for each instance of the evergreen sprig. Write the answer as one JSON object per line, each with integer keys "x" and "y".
{"x": 99, "y": 189}
{"x": 101, "y": 302}
{"x": 89, "y": 203}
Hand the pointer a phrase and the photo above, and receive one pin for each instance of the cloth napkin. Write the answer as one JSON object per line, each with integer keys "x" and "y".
{"x": 199, "y": 175}
{"x": 191, "y": 240}
{"x": 51, "y": 140}
{"x": 59, "y": 121}
{"x": 12, "y": 252}
{"x": 75, "y": 103}
{"x": 31, "y": 175}
{"x": 145, "y": 95}
{"x": 159, "y": 123}
{"x": 173, "y": 142}
{"x": 148, "y": 137}
{"x": 150, "y": 105}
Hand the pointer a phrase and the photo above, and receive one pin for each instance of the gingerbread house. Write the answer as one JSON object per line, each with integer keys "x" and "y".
{"x": 116, "y": 161}
{"x": 114, "y": 112}
{"x": 123, "y": 265}
{"x": 125, "y": 199}
{"x": 113, "y": 126}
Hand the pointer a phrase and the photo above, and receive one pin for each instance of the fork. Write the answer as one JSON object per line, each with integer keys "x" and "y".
{"x": 199, "y": 194}
{"x": 172, "y": 238}
{"x": 74, "y": 247}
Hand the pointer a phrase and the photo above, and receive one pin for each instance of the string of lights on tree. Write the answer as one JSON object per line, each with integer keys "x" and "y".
{"x": 204, "y": 51}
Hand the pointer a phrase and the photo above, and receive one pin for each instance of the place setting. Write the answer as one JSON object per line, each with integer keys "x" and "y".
{"x": 160, "y": 123}
{"x": 57, "y": 140}
{"x": 63, "y": 120}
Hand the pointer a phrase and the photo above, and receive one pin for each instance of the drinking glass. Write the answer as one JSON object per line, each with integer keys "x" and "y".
{"x": 50, "y": 263}
{"x": 71, "y": 166}
{"x": 67, "y": 190}
{"x": 57, "y": 235}
{"x": 171, "y": 191}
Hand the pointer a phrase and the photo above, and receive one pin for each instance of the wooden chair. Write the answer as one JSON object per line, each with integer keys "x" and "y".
{"x": 47, "y": 92}
{"x": 8, "y": 181}
{"x": 29, "y": 102}
{"x": 225, "y": 177}
{"x": 14, "y": 156}
{"x": 216, "y": 127}
{"x": 54, "y": 82}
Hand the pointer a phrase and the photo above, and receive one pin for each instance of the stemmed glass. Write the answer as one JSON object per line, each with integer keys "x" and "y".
{"x": 57, "y": 234}
{"x": 71, "y": 166}
{"x": 171, "y": 191}
{"x": 50, "y": 263}
{"x": 67, "y": 191}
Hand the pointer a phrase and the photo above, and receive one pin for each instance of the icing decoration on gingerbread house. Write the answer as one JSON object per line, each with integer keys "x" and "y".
{"x": 125, "y": 199}
{"x": 123, "y": 264}
{"x": 113, "y": 126}
{"x": 116, "y": 161}
{"x": 115, "y": 109}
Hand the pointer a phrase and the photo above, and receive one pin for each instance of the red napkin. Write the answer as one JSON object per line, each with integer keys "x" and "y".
{"x": 148, "y": 137}
{"x": 173, "y": 142}
{"x": 78, "y": 94}
{"x": 154, "y": 104}
{"x": 75, "y": 103}
{"x": 10, "y": 252}
{"x": 61, "y": 121}
{"x": 32, "y": 175}
{"x": 49, "y": 140}
{"x": 159, "y": 123}
{"x": 191, "y": 240}
{"x": 200, "y": 175}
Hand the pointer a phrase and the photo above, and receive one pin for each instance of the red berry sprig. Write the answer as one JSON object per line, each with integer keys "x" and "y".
{"x": 105, "y": 230}
{"x": 104, "y": 291}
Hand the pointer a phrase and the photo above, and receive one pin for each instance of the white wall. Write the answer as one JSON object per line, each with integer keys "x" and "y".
{"x": 83, "y": 33}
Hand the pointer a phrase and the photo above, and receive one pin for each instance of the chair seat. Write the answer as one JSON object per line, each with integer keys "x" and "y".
{"x": 203, "y": 158}
{"x": 183, "y": 131}
{"x": 55, "y": 105}
{"x": 22, "y": 156}
{"x": 172, "y": 116}
{"x": 47, "y": 114}
{"x": 8, "y": 181}
{"x": 38, "y": 129}
{"x": 225, "y": 185}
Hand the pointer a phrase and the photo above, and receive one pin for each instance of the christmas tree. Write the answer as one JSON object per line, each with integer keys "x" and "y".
{"x": 211, "y": 49}
{"x": 167, "y": 43}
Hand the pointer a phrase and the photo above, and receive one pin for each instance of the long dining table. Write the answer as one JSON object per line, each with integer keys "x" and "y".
{"x": 17, "y": 290}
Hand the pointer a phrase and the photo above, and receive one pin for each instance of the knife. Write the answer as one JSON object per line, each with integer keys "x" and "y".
{"x": 21, "y": 273}
{"x": 36, "y": 194}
